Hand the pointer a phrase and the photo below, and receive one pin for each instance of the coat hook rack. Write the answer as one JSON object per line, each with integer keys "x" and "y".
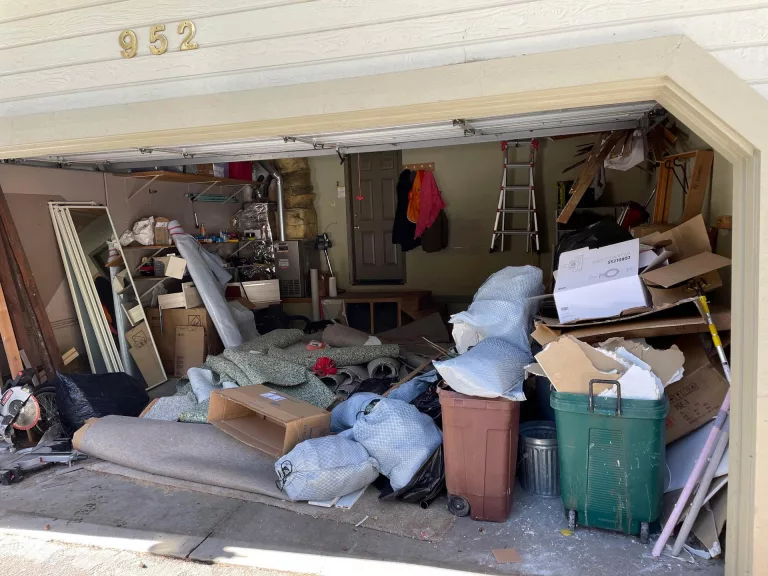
{"x": 429, "y": 166}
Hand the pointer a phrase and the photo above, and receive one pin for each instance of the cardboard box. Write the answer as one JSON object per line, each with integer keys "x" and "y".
{"x": 690, "y": 258}
{"x": 162, "y": 234}
{"x": 138, "y": 336}
{"x": 133, "y": 313}
{"x": 265, "y": 419}
{"x": 165, "y": 332}
{"x": 696, "y": 399}
{"x": 149, "y": 365}
{"x": 190, "y": 348}
{"x": 599, "y": 283}
{"x": 176, "y": 267}
{"x": 189, "y": 297}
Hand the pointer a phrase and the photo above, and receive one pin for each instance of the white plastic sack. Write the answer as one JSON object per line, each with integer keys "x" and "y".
{"x": 491, "y": 369}
{"x": 324, "y": 468}
{"x": 399, "y": 437}
{"x": 344, "y": 415}
{"x": 501, "y": 307}
{"x": 142, "y": 232}
{"x": 636, "y": 154}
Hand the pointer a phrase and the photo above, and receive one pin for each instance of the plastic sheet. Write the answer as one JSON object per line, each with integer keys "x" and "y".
{"x": 324, "y": 468}
{"x": 425, "y": 486}
{"x": 83, "y": 396}
{"x": 244, "y": 319}
{"x": 209, "y": 277}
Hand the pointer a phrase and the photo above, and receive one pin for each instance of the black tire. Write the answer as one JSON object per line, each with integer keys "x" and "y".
{"x": 49, "y": 412}
{"x": 572, "y": 517}
{"x": 645, "y": 532}
{"x": 458, "y": 506}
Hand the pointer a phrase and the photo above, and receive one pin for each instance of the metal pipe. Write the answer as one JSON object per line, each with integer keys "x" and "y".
{"x": 280, "y": 207}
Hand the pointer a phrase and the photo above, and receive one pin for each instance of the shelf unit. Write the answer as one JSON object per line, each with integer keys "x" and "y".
{"x": 182, "y": 178}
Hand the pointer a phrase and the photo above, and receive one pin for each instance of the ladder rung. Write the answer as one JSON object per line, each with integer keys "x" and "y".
{"x": 515, "y": 233}
{"x": 516, "y": 210}
{"x": 511, "y": 188}
{"x": 519, "y": 165}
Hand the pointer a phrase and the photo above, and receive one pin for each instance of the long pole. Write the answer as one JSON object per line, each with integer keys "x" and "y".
{"x": 703, "y": 306}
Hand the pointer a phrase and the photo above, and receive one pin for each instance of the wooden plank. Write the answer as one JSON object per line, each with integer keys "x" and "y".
{"x": 12, "y": 298}
{"x": 663, "y": 194}
{"x": 49, "y": 351}
{"x": 697, "y": 187}
{"x": 9, "y": 338}
{"x": 587, "y": 174}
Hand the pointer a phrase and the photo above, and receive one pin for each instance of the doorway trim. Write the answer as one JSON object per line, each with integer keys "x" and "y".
{"x": 674, "y": 71}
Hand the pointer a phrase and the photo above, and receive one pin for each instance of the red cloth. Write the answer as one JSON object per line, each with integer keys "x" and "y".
{"x": 431, "y": 203}
{"x": 324, "y": 367}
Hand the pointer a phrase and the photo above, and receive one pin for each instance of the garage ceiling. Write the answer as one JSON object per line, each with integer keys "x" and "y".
{"x": 459, "y": 131}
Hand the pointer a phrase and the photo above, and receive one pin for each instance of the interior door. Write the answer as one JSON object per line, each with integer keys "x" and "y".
{"x": 372, "y": 181}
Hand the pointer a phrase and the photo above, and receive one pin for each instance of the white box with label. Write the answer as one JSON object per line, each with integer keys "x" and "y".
{"x": 599, "y": 283}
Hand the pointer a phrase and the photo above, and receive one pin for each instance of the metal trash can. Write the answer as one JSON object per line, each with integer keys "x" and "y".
{"x": 537, "y": 462}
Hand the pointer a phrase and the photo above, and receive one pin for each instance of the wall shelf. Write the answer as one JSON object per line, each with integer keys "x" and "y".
{"x": 182, "y": 178}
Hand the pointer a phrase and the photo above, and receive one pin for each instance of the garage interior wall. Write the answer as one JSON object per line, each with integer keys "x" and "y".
{"x": 469, "y": 177}
{"x": 28, "y": 191}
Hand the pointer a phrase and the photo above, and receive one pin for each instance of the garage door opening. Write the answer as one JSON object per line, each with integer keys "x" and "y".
{"x": 327, "y": 196}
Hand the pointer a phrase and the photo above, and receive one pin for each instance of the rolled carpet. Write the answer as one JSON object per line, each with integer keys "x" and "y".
{"x": 194, "y": 452}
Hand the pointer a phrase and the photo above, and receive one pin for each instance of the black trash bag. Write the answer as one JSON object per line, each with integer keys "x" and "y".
{"x": 602, "y": 233}
{"x": 425, "y": 486}
{"x": 83, "y": 396}
{"x": 428, "y": 402}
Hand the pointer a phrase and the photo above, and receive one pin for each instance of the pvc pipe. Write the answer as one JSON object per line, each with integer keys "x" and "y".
{"x": 314, "y": 285}
{"x": 694, "y": 477}
{"x": 701, "y": 493}
{"x": 332, "y": 290}
{"x": 280, "y": 206}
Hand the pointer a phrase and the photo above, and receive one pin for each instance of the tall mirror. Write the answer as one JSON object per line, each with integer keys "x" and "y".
{"x": 114, "y": 327}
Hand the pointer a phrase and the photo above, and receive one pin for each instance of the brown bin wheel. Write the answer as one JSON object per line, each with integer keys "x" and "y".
{"x": 458, "y": 506}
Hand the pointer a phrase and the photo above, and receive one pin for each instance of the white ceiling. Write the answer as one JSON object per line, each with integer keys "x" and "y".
{"x": 468, "y": 131}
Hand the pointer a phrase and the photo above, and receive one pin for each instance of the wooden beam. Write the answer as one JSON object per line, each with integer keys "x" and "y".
{"x": 12, "y": 299}
{"x": 697, "y": 187}
{"x": 50, "y": 354}
{"x": 663, "y": 193}
{"x": 9, "y": 338}
{"x": 587, "y": 174}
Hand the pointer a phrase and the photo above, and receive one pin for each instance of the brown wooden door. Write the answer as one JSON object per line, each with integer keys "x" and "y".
{"x": 372, "y": 201}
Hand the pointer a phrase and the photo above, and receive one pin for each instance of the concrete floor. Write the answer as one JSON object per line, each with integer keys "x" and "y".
{"x": 82, "y": 506}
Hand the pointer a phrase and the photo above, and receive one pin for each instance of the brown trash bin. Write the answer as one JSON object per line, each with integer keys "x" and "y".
{"x": 480, "y": 445}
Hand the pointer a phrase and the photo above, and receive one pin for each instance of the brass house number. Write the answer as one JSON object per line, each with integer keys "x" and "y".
{"x": 158, "y": 42}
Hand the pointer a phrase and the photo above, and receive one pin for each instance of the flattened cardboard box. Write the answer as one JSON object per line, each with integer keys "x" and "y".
{"x": 265, "y": 419}
{"x": 165, "y": 335}
{"x": 696, "y": 398}
{"x": 190, "y": 348}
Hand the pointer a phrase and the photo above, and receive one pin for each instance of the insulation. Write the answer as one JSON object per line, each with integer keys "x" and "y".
{"x": 301, "y": 223}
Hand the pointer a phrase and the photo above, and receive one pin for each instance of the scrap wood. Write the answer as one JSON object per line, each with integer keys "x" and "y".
{"x": 410, "y": 375}
{"x": 506, "y": 555}
{"x": 41, "y": 325}
{"x": 9, "y": 338}
{"x": 587, "y": 174}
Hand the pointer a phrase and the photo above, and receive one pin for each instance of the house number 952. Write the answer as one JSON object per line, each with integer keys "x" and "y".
{"x": 158, "y": 43}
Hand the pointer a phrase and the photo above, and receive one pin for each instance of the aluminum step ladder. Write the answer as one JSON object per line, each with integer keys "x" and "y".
{"x": 531, "y": 232}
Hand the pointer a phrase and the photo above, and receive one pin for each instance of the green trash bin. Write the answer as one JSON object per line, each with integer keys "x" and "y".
{"x": 611, "y": 459}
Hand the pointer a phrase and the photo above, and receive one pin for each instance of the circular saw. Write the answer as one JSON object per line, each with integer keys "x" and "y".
{"x": 19, "y": 409}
